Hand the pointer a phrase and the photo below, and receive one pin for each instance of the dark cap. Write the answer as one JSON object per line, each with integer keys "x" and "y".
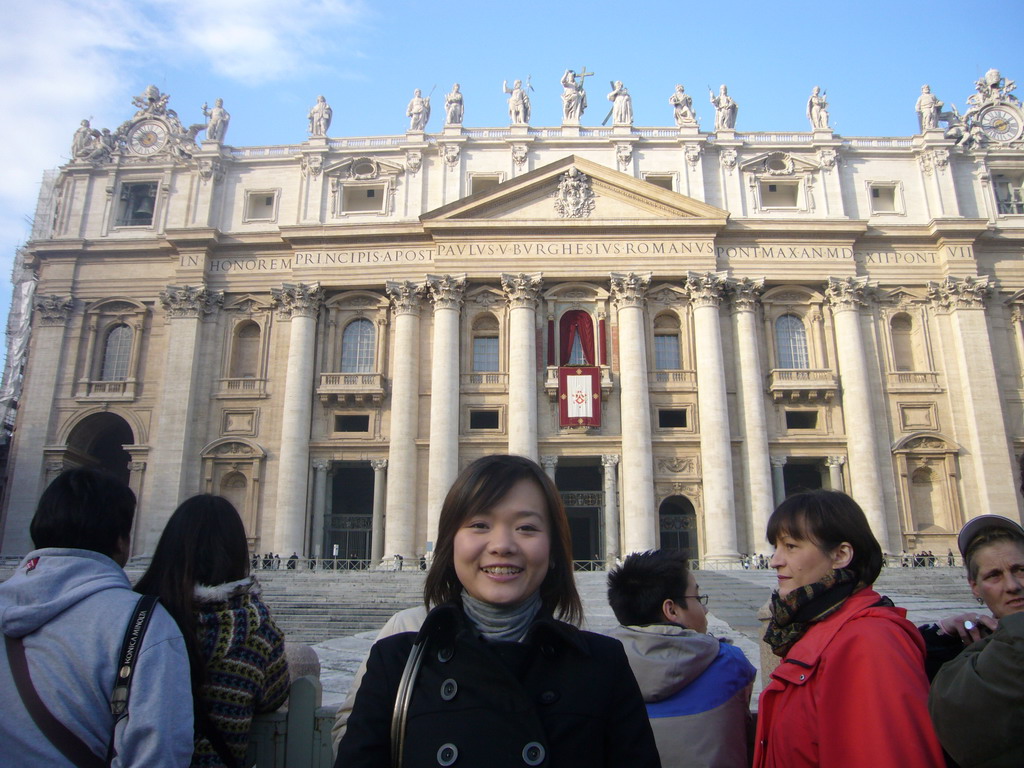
{"x": 975, "y": 525}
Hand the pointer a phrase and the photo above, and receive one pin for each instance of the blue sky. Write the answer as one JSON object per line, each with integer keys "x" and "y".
{"x": 62, "y": 61}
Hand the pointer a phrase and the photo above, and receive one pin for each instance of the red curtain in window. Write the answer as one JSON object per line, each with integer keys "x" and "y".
{"x": 575, "y": 323}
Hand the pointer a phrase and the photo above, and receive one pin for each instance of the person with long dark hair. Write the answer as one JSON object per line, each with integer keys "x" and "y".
{"x": 200, "y": 572}
{"x": 851, "y": 688}
{"x": 493, "y": 677}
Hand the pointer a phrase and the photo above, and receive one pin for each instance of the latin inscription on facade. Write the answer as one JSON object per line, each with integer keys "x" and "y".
{"x": 568, "y": 248}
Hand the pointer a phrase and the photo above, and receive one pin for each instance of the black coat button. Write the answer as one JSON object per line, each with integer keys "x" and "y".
{"x": 445, "y": 654}
{"x": 448, "y": 689}
{"x": 549, "y": 697}
{"x": 447, "y": 754}
{"x": 533, "y": 753}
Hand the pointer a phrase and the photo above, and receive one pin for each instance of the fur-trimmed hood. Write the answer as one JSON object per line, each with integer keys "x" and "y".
{"x": 220, "y": 593}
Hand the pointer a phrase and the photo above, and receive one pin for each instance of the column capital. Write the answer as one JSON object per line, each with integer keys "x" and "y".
{"x": 835, "y": 461}
{"x": 522, "y": 290}
{"x": 406, "y": 296}
{"x": 190, "y": 301}
{"x": 378, "y": 465}
{"x": 629, "y": 289}
{"x": 848, "y": 293}
{"x": 136, "y": 466}
{"x": 321, "y": 465}
{"x": 707, "y": 289}
{"x": 610, "y": 460}
{"x": 745, "y": 292}
{"x": 54, "y": 310}
{"x": 297, "y": 299}
{"x": 446, "y": 291}
{"x": 960, "y": 293}
{"x": 777, "y": 461}
{"x": 549, "y": 462}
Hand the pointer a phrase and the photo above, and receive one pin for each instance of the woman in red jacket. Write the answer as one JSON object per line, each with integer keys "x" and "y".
{"x": 851, "y": 689}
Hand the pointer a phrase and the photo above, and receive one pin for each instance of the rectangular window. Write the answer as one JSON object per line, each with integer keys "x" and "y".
{"x": 1009, "y": 191}
{"x": 354, "y": 423}
{"x": 666, "y": 352}
{"x": 260, "y": 206}
{"x": 660, "y": 180}
{"x": 362, "y": 199}
{"x": 482, "y": 182}
{"x": 779, "y": 194}
{"x": 484, "y": 419}
{"x": 137, "y": 204}
{"x": 671, "y": 418}
{"x": 801, "y": 419}
{"x": 883, "y": 198}
{"x": 485, "y": 354}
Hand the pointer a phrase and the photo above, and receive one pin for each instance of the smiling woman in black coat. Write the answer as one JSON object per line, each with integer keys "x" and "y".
{"x": 493, "y": 678}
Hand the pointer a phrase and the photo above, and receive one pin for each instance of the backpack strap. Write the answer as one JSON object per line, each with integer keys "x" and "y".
{"x": 58, "y": 734}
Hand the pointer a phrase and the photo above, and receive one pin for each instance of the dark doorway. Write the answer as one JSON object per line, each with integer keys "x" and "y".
{"x": 351, "y": 520}
{"x": 580, "y": 483}
{"x": 677, "y": 521}
{"x": 802, "y": 475}
{"x": 98, "y": 441}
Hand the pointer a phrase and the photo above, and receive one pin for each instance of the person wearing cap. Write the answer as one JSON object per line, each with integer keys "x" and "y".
{"x": 977, "y": 697}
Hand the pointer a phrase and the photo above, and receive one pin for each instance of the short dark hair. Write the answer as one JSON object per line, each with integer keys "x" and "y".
{"x": 828, "y": 518}
{"x": 478, "y": 488}
{"x": 84, "y": 509}
{"x": 640, "y": 586}
{"x": 984, "y": 538}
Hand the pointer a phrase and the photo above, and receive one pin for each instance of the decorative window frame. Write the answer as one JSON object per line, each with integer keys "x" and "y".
{"x": 275, "y": 193}
{"x": 939, "y": 453}
{"x": 100, "y": 317}
{"x": 818, "y": 380}
{"x": 472, "y": 176}
{"x": 357, "y": 389}
{"x": 673, "y": 176}
{"x": 355, "y": 173}
{"x": 1000, "y": 172}
{"x": 119, "y": 190}
{"x": 781, "y": 168}
{"x": 899, "y": 201}
{"x": 483, "y": 301}
{"x": 924, "y": 378}
{"x": 239, "y": 310}
{"x": 501, "y": 408}
{"x": 372, "y": 424}
{"x": 227, "y": 455}
{"x": 595, "y": 300}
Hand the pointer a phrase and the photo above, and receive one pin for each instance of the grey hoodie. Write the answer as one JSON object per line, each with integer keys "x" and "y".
{"x": 71, "y": 607}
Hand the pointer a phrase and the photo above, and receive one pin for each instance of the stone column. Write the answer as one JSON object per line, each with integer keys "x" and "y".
{"x": 302, "y": 304}
{"x": 446, "y": 292}
{"x": 379, "y": 495}
{"x": 706, "y": 292}
{"x": 400, "y": 516}
{"x": 750, "y": 375}
{"x": 990, "y": 451}
{"x": 610, "y": 462}
{"x": 320, "y": 467}
{"x": 550, "y": 464}
{"x": 835, "y": 471}
{"x": 778, "y": 479}
{"x": 846, "y": 296}
{"x": 639, "y": 516}
{"x": 45, "y": 361}
{"x": 522, "y": 292}
{"x": 173, "y": 455}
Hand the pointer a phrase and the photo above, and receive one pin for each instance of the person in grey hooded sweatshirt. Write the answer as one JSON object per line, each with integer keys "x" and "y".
{"x": 69, "y": 602}
{"x": 696, "y": 687}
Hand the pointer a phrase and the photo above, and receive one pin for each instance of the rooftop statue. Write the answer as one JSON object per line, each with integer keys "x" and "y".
{"x": 574, "y": 98}
{"x": 817, "y": 110}
{"x": 928, "y": 109}
{"x": 151, "y": 102}
{"x": 622, "y": 104}
{"x": 725, "y": 109}
{"x": 418, "y": 111}
{"x": 218, "y": 119}
{"x": 682, "y": 107}
{"x": 453, "y": 106}
{"x": 320, "y": 117}
{"x": 518, "y": 101}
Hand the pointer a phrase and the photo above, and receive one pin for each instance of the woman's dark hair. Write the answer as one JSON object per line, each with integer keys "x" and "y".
{"x": 828, "y": 518}
{"x": 478, "y": 488}
{"x": 84, "y": 509}
{"x": 203, "y": 543}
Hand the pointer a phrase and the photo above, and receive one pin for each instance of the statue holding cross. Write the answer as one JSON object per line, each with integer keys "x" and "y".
{"x": 574, "y": 98}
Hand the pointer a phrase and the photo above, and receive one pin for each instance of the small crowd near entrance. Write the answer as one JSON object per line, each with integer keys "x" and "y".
{"x": 493, "y": 669}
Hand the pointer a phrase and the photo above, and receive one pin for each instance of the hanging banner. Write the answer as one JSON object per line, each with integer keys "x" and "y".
{"x": 579, "y": 396}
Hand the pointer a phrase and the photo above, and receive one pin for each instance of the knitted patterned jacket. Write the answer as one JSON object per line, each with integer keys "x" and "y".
{"x": 246, "y": 669}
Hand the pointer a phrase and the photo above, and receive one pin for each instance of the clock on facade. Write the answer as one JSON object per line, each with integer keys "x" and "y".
{"x": 148, "y": 137}
{"x": 1001, "y": 123}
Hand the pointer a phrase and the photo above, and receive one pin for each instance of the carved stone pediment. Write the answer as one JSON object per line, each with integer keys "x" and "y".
{"x": 363, "y": 169}
{"x": 248, "y": 304}
{"x": 780, "y": 164}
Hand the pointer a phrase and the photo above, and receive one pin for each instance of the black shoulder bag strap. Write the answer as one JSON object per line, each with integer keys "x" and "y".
{"x": 131, "y": 647}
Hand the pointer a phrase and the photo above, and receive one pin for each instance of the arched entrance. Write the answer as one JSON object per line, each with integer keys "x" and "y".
{"x": 677, "y": 523}
{"x": 98, "y": 441}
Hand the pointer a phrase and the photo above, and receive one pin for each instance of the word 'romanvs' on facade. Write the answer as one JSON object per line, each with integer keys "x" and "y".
{"x": 682, "y": 326}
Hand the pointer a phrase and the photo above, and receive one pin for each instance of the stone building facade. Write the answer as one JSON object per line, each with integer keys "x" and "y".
{"x": 681, "y": 326}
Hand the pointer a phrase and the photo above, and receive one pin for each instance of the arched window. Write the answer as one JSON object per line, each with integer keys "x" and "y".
{"x": 117, "y": 350}
{"x": 486, "y": 356}
{"x": 666, "y": 343}
{"x": 357, "y": 347}
{"x": 902, "y": 329}
{"x": 791, "y": 342}
{"x": 245, "y": 353}
{"x": 576, "y": 334}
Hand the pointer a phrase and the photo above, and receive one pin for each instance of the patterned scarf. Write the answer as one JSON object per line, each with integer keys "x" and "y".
{"x": 793, "y": 614}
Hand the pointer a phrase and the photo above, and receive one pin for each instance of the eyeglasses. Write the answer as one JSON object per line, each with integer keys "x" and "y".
{"x": 702, "y": 599}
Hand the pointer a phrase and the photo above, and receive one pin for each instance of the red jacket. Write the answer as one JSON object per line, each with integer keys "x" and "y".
{"x": 851, "y": 692}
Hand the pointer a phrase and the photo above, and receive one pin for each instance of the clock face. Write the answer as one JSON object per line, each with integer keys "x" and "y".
{"x": 148, "y": 137}
{"x": 1000, "y": 123}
